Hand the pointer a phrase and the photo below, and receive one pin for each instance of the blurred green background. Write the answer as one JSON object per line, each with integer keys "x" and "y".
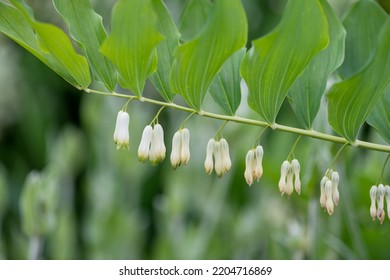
{"x": 67, "y": 193}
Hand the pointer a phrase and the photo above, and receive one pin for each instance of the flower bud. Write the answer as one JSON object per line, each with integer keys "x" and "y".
{"x": 226, "y": 162}
{"x": 285, "y": 168}
{"x": 176, "y": 150}
{"x": 121, "y": 133}
{"x": 258, "y": 166}
{"x": 373, "y": 192}
{"x": 208, "y": 163}
{"x": 295, "y": 166}
{"x": 144, "y": 146}
{"x": 329, "y": 197}
{"x": 248, "y": 174}
{"x": 335, "y": 191}
{"x": 185, "y": 146}
{"x": 157, "y": 146}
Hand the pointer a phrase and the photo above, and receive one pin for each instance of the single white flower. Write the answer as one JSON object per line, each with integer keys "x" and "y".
{"x": 209, "y": 163}
{"x": 329, "y": 197}
{"x": 295, "y": 166}
{"x": 289, "y": 183}
{"x": 258, "y": 166}
{"x": 335, "y": 191}
{"x": 121, "y": 133}
{"x": 144, "y": 146}
{"x": 380, "y": 201}
{"x": 285, "y": 168}
{"x": 185, "y": 146}
{"x": 249, "y": 166}
{"x": 176, "y": 150}
{"x": 218, "y": 166}
{"x": 157, "y": 146}
{"x": 373, "y": 192}
{"x": 226, "y": 162}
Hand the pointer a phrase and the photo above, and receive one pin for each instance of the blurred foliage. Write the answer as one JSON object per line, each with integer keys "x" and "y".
{"x": 107, "y": 205}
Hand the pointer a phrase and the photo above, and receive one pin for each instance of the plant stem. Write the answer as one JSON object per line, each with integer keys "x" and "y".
{"x": 383, "y": 169}
{"x": 293, "y": 147}
{"x": 236, "y": 119}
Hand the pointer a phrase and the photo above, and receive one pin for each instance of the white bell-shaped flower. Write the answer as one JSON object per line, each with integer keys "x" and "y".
{"x": 144, "y": 146}
{"x": 218, "y": 166}
{"x": 289, "y": 183}
{"x": 285, "y": 168}
{"x": 185, "y": 146}
{"x": 258, "y": 166}
{"x": 380, "y": 201}
{"x": 226, "y": 162}
{"x": 295, "y": 167}
{"x": 176, "y": 150}
{"x": 121, "y": 133}
{"x": 209, "y": 163}
{"x": 335, "y": 190}
{"x": 249, "y": 167}
{"x": 157, "y": 146}
{"x": 323, "y": 194}
{"x": 373, "y": 193}
{"x": 329, "y": 197}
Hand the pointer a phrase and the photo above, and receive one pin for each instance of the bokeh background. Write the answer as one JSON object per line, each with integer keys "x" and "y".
{"x": 94, "y": 202}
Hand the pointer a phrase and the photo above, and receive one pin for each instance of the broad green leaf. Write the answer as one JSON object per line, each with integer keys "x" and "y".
{"x": 18, "y": 28}
{"x": 194, "y": 18}
{"x": 47, "y": 42}
{"x": 165, "y": 50}
{"x": 199, "y": 60}
{"x": 380, "y": 116}
{"x": 59, "y": 52}
{"x": 225, "y": 88}
{"x": 87, "y": 29}
{"x": 352, "y": 100}
{"x": 131, "y": 46}
{"x": 275, "y": 61}
{"x": 306, "y": 93}
{"x": 363, "y": 24}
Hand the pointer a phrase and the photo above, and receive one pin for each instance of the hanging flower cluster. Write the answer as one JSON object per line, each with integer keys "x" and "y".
{"x": 152, "y": 148}
{"x": 254, "y": 165}
{"x": 152, "y": 145}
{"x": 377, "y": 196}
{"x": 329, "y": 191}
{"x": 289, "y": 172}
{"x": 180, "y": 154}
{"x": 217, "y": 157}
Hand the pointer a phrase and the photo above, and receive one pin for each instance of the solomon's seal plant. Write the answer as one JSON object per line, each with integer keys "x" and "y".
{"x": 306, "y": 60}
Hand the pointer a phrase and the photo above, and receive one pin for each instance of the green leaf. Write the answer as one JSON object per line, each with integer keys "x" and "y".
{"x": 199, "y": 60}
{"x": 225, "y": 88}
{"x": 380, "y": 116}
{"x": 165, "y": 50}
{"x": 59, "y": 52}
{"x": 352, "y": 100}
{"x": 275, "y": 61}
{"x": 87, "y": 29}
{"x": 18, "y": 28}
{"x": 306, "y": 93}
{"x": 131, "y": 46}
{"x": 363, "y": 24}
{"x": 194, "y": 18}
{"x": 47, "y": 42}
